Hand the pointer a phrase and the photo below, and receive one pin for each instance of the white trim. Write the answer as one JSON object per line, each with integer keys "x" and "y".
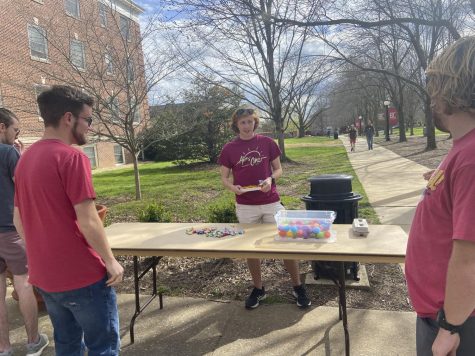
{"x": 44, "y": 35}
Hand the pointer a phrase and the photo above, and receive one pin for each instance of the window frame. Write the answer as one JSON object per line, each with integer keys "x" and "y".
{"x": 126, "y": 36}
{"x": 102, "y": 14}
{"x": 83, "y": 52}
{"x": 96, "y": 161}
{"x": 109, "y": 64}
{"x": 116, "y": 154}
{"x": 44, "y": 35}
{"x": 78, "y": 9}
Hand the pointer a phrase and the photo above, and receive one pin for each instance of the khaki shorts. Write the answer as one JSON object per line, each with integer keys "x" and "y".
{"x": 257, "y": 214}
{"x": 12, "y": 253}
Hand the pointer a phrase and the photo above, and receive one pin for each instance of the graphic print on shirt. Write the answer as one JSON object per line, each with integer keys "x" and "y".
{"x": 251, "y": 158}
{"x": 436, "y": 178}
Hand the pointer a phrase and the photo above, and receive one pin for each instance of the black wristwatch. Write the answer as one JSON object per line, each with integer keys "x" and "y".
{"x": 444, "y": 324}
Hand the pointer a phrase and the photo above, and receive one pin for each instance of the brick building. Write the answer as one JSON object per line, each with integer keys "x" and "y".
{"x": 90, "y": 44}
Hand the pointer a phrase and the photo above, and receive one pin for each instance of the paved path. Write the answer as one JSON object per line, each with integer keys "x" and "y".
{"x": 392, "y": 183}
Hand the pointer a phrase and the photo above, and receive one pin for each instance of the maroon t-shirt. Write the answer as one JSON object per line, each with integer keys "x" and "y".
{"x": 250, "y": 162}
{"x": 51, "y": 177}
{"x": 444, "y": 214}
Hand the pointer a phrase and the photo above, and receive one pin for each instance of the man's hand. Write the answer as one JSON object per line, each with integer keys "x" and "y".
{"x": 115, "y": 272}
{"x": 445, "y": 344}
{"x": 237, "y": 190}
{"x": 427, "y": 175}
{"x": 266, "y": 185}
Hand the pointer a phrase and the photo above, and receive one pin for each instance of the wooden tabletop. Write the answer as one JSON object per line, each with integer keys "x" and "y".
{"x": 384, "y": 243}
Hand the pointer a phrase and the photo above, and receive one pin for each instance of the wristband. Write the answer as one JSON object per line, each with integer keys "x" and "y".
{"x": 444, "y": 324}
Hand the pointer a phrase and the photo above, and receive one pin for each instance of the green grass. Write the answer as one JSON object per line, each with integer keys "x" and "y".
{"x": 418, "y": 131}
{"x": 187, "y": 192}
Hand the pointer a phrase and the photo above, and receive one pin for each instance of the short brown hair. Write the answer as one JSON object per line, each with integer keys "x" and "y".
{"x": 242, "y": 112}
{"x": 451, "y": 76}
{"x": 7, "y": 117}
{"x": 60, "y": 99}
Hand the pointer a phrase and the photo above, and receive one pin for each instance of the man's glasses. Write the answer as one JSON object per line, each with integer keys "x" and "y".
{"x": 244, "y": 112}
{"x": 88, "y": 120}
{"x": 17, "y": 130}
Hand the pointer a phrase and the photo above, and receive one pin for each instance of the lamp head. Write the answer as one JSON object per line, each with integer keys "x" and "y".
{"x": 386, "y": 102}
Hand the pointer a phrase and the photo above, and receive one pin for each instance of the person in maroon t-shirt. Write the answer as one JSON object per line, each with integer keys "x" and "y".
{"x": 254, "y": 161}
{"x": 440, "y": 258}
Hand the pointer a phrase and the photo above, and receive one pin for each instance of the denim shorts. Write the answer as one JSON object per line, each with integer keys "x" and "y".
{"x": 84, "y": 317}
{"x": 13, "y": 253}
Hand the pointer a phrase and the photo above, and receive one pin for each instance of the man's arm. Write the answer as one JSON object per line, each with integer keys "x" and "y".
{"x": 91, "y": 226}
{"x": 17, "y": 222}
{"x": 225, "y": 175}
{"x": 459, "y": 300}
{"x": 276, "y": 173}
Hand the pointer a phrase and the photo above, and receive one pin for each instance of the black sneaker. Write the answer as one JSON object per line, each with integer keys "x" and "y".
{"x": 256, "y": 296}
{"x": 301, "y": 295}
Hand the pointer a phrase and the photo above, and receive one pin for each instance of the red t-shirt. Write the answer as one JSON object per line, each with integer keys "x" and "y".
{"x": 51, "y": 177}
{"x": 250, "y": 162}
{"x": 445, "y": 213}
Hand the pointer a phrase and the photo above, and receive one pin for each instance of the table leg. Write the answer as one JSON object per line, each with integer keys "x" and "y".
{"x": 342, "y": 306}
{"x": 138, "y": 308}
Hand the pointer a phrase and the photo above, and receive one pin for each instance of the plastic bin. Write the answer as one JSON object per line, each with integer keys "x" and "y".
{"x": 305, "y": 225}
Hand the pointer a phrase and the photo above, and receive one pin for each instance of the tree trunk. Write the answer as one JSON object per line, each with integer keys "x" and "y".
{"x": 301, "y": 131}
{"x": 138, "y": 190}
{"x": 400, "y": 108}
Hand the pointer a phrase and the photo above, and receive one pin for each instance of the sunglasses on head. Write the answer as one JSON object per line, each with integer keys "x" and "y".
{"x": 244, "y": 112}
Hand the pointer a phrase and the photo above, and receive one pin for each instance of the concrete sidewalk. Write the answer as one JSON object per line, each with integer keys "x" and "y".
{"x": 392, "y": 183}
{"x": 188, "y": 326}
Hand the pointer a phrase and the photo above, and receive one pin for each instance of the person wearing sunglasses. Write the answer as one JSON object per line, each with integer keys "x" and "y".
{"x": 70, "y": 261}
{"x": 12, "y": 247}
{"x": 254, "y": 162}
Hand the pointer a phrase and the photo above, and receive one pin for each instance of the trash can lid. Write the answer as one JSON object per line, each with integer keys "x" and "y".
{"x": 331, "y": 185}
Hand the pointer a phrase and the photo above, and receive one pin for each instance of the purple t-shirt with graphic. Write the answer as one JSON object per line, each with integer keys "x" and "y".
{"x": 250, "y": 162}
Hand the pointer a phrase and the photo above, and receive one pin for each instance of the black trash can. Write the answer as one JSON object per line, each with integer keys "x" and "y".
{"x": 335, "y": 135}
{"x": 333, "y": 192}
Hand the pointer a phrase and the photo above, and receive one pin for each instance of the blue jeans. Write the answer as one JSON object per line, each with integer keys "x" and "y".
{"x": 369, "y": 139}
{"x": 84, "y": 317}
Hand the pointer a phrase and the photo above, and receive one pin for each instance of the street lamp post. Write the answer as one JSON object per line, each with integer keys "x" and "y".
{"x": 386, "y": 105}
{"x": 360, "y": 128}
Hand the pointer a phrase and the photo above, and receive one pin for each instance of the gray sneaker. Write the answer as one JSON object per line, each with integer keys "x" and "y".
{"x": 7, "y": 353}
{"x": 37, "y": 348}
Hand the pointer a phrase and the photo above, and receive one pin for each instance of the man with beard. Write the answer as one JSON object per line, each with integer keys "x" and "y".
{"x": 440, "y": 262}
{"x": 70, "y": 260}
{"x": 12, "y": 247}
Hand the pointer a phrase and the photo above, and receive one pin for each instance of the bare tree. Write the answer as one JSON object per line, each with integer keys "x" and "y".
{"x": 245, "y": 48}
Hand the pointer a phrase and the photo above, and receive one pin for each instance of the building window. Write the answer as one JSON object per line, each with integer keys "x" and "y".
{"x": 130, "y": 70}
{"x": 114, "y": 109}
{"x": 77, "y": 56}
{"x": 125, "y": 27}
{"x": 108, "y": 63}
{"x": 38, "y": 42}
{"x": 103, "y": 14}
{"x": 118, "y": 154}
{"x": 72, "y": 7}
{"x": 38, "y": 88}
{"x": 136, "y": 110}
{"x": 90, "y": 152}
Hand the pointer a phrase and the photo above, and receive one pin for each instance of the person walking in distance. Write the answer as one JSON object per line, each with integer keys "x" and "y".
{"x": 12, "y": 247}
{"x": 70, "y": 260}
{"x": 352, "y": 134}
{"x": 369, "y": 133}
{"x": 440, "y": 258}
{"x": 254, "y": 162}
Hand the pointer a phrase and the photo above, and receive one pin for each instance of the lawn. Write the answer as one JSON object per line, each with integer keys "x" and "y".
{"x": 418, "y": 131}
{"x": 187, "y": 192}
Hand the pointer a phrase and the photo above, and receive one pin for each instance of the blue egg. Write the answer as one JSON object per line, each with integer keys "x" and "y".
{"x": 316, "y": 230}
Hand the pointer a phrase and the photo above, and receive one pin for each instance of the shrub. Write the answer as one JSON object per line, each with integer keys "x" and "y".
{"x": 223, "y": 212}
{"x": 154, "y": 212}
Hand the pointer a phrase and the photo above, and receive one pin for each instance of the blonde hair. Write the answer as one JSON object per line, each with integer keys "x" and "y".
{"x": 242, "y": 112}
{"x": 451, "y": 76}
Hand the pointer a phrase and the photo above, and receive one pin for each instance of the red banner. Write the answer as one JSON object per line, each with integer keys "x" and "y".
{"x": 393, "y": 120}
